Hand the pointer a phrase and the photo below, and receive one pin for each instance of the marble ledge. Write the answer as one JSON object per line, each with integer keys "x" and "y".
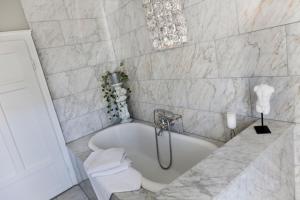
{"x": 248, "y": 166}
{"x": 239, "y": 157}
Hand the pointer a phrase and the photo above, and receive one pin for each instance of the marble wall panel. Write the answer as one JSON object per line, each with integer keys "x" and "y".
{"x": 44, "y": 10}
{"x": 79, "y": 104}
{"x": 72, "y": 82}
{"x": 128, "y": 18}
{"x": 293, "y": 45}
{"x": 212, "y": 19}
{"x": 164, "y": 92}
{"x": 100, "y": 69}
{"x": 211, "y": 124}
{"x": 99, "y": 52}
{"x": 61, "y": 59}
{"x": 81, "y": 126}
{"x": 195, "y": 61}
{"x": 142, "y": 111}
{"x": 47, "y": 34}
{"x": 113, "y": 21}
{"x": 296, "y": 139}
{"x": 144, "y": 43}
{"x": 188, "y": 3}
{"x": 200, "y": 76}
{"x": 78, "y": 9}
{"x": 154, "y": 92}
{"x": 177, "y": 92}
{"x": 139, "y": 68}
{"x": 113, "y": 5}
{"x": 105, "y": 119}
{"x": 230, "y": 44}
{"x": 103, "y": 29}
{"x": 297, "y": 182}
{"x": 219, "y": 95}
{"x": 80, "y": 31}
{"x": 261, "y": 53}
{"x": 132, "y": 44}
{"x": 122, "y": 47}
{"x": 260, "y": 14}
{"x": 73, "y": 41}
{"x": 201, "y": 123}
{"x": 285, "y": 102}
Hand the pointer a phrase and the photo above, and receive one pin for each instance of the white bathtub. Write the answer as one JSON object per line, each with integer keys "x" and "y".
{"x": 139, "y": 142}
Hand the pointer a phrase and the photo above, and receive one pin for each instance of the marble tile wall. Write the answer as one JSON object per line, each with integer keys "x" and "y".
{"x": 297, "y": 160}
{"x": 74, "y": 45}
{"x": 232, "y": 45}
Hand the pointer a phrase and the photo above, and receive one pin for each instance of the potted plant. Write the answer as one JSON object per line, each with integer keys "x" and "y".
{"x": 110, "y": 79}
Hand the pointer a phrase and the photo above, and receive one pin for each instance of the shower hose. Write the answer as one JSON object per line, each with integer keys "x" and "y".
{"x": 170, "y": 147}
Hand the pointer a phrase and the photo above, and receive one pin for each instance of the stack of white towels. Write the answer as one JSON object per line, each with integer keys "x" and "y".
{"x": 110, "y": 171}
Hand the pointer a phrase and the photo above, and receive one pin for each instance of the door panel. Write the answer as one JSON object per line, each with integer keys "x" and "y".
{"x": 34, "y": 166}
{"x": 10, "y": 74}
{"x": 20, "y": 101}
{"x": 7, "y": 168}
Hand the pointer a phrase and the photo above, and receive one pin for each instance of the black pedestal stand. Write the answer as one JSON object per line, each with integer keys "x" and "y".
{"x": 262, "y": 129}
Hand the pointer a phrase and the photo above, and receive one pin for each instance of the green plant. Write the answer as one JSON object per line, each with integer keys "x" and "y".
{"x": 109, "y": 93}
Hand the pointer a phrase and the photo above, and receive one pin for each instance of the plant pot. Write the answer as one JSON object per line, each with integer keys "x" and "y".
{"x": 115, "y": 79}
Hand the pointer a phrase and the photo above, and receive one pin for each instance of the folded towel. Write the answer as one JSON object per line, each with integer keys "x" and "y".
{"x": 123, "y": 166}
{"x": 125, "y": 181}
{"x": 109, "y": 171}
{"x": 102, "y": 160}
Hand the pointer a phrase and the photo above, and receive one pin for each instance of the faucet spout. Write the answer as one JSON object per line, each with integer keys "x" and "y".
{"x": 165, "y": 120}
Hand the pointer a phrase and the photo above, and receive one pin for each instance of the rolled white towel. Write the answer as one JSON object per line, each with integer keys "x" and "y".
{"x": 103, "y": 160}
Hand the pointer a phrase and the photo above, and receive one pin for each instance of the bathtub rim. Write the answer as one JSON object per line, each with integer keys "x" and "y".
{"x": 147, "y": 183}
{"x": 215, "y": 142}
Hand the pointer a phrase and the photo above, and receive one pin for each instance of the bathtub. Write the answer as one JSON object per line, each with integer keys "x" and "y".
{"x": 138, "y": 140}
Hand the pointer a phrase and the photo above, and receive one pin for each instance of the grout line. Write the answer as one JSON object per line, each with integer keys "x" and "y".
{"x": 189, "y": 108}
{"x": 243, "y": 115}
{"x": 214, "y": 78}
{"x": 287, "y": 50}
{"x": 74, "y": 45}
{"x": 217, "y": 59}
{"x": 78, "y": 93}
{"x": 71, "y": 70}
{"x": 83, "y": 115}
{"x": 237, "y": 16}
{"x": 250, "y": 97}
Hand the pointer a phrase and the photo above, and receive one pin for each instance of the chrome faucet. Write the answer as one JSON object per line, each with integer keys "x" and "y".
{"x": 164, "y": 120}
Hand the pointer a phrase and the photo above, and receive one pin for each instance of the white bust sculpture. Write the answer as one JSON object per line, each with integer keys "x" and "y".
{"x": 264, "y": 93}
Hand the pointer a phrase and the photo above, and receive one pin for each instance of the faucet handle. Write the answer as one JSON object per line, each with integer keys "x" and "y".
{"x": 164, "y": 118}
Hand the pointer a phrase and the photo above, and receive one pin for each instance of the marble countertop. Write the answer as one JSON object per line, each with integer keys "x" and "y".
{"x": 211, "y": 176}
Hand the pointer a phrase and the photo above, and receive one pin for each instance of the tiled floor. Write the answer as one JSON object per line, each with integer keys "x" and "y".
{"x": 83, "y": 191}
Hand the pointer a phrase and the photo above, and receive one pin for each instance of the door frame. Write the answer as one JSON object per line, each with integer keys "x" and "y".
{"x": 25, "y": 35}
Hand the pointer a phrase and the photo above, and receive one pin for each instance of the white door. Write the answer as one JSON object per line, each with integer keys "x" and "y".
{"x": 32, "y": 166}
